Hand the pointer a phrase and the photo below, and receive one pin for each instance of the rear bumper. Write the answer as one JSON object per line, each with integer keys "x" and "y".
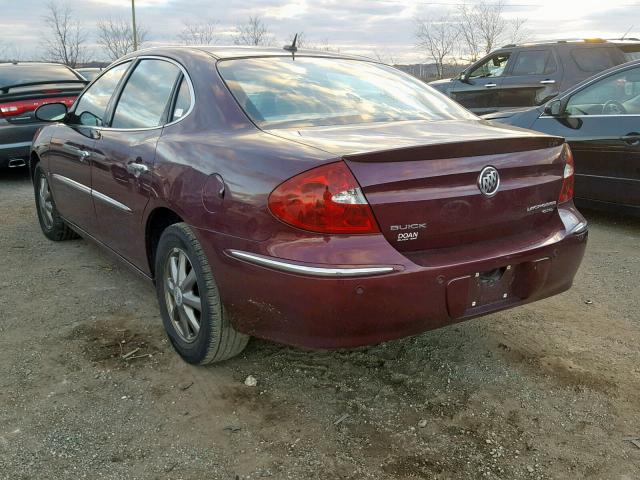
{"x": 15, "y": 141}
{"x": 320, "y": 310}
{"x": 14, "y": 151}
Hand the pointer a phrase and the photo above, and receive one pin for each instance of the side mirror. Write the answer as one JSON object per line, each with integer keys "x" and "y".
{"x": 51, "y": 112}
{"x": 464, "y": 77}
{"x": 554, "y": 108}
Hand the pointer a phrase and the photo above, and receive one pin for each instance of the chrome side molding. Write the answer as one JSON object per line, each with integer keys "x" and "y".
{"x": 289, "y": 267}
{"x": 109, "y": 201}
{"x": 89, "y": 191}
{"x": 71, "y": 183}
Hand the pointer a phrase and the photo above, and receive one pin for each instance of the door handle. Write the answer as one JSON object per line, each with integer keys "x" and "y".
{"x": 83, "y": 155}
{"x": 490, "y": 85}
{"x": 547, "y": 82}
{"x": 137, "y": 169}
{"x": 632, "y": 138}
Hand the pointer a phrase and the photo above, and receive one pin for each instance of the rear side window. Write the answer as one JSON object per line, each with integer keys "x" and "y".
{"x": 18, "y": 74}
{"x": 183, "y": 101}
{"x": 631, "y": 51}
{"x": 146, "y": 95}
{"x": 93, "y": 104}
{"x": 594, "y": 59}
{"x": 534, "y": 62}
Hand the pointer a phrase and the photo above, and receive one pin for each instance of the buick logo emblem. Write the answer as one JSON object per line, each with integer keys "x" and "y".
{"x": 489, "y": 181}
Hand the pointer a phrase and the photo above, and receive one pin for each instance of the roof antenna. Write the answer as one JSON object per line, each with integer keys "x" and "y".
{"x": 626, "y": 33}
{"x": 292, "y": 48}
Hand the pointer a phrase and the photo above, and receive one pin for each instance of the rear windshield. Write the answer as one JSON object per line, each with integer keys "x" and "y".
{"x": 283, "y": 92}
{"x": 18, "y": 74}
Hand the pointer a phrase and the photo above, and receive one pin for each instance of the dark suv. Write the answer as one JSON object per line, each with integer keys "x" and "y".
{"x": 24, "y": 86}
{"x": 530, "y": 74}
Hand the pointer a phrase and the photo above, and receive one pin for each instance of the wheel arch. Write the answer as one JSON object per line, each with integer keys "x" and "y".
{"x": 157, "y": 221}
{"x": 34, "y": 160}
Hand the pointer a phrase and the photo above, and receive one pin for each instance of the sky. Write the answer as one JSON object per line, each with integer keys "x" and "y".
{"x": 365, "y": 27}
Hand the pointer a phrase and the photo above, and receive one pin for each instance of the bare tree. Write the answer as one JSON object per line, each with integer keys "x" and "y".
{"x": 385, "y": 56}
{"x": 199, "y": 33}
{"x": 10, "y": 53}
{"x": 518, "y": 32}
{"x": 491, "y": 25}
{"x": 483, "y": 27}
{"x": 438, "y": 37}
{"x": 255, "y": 32}
{"x": 325, "y": 46}
{"x": 65, "y": 40}
{"x": 115, "y": 36}
{"x": 469, "y": 32}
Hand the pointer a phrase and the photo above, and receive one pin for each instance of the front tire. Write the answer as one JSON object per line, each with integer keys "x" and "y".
{"x": 190, "y": 305}
{"x": 52, "y": 225}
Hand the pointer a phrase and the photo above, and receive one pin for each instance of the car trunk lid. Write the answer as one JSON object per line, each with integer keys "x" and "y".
{"x": 421, "y": 179}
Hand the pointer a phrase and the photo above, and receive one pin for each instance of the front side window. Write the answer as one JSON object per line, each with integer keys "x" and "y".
{"x": 534, "y": 62}
{"x": 493, "y": 67}
{"x": 146, "y": 95}
{"x": 92, "y": 106}
{"x": 617, "y": 94}
{"x": 282, "y": 92}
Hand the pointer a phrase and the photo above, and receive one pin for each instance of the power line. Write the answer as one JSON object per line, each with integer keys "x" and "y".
{"x": 509, "y": 5}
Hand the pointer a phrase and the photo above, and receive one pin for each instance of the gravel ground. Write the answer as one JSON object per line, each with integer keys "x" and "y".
{"x": 548, "y": 390}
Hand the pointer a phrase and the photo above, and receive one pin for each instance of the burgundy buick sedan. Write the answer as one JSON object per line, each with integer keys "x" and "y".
{"x": 320, "y": 200}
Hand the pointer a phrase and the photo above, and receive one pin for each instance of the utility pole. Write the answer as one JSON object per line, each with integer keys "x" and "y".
{"x": 135, "y": 32}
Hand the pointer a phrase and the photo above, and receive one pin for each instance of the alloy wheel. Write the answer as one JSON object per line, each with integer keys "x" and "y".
{"x": 45, "y": 203}
{"x": 182, "y": 295}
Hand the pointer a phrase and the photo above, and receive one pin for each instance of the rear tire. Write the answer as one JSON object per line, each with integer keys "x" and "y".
{"x": 192, "y": 313}
{"x": 52, "y": 225}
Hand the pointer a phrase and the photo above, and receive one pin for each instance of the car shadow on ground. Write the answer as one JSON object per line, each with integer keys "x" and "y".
{"x": 14, "y": 175}
{"x": 610, "y": 219}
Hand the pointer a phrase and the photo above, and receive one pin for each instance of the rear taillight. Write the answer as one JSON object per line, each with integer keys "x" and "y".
{"x": 326, "y": 199}
{"x": 20, "y": 107}
{"x": 566, "y": 192}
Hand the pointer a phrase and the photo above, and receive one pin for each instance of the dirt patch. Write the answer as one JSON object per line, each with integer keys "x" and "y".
{"x": 118, "y": 343}
{"x": 545, "y": 391}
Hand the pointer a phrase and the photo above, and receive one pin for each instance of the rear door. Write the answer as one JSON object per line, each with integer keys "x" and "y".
{"x": 125, "y": 154}
{"x": 603, "y": 129}
{"x": 533, "y": 77}
{"x": 479, "y": 93}
{"x": 72, "y": 149}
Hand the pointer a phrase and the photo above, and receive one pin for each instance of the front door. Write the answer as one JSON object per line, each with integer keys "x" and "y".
{"x": 602, "y": 126}
{"x": 478, "y": 90}
{"x": 125, "y": 154}
{"x": 72, "y": 150}
{"x": 70, "y": 169}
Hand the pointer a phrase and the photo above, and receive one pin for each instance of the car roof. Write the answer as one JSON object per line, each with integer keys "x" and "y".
{"x": 573, "y": 42}
{"x": 221, "y": 52}
{"x": 31, "y": 64}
